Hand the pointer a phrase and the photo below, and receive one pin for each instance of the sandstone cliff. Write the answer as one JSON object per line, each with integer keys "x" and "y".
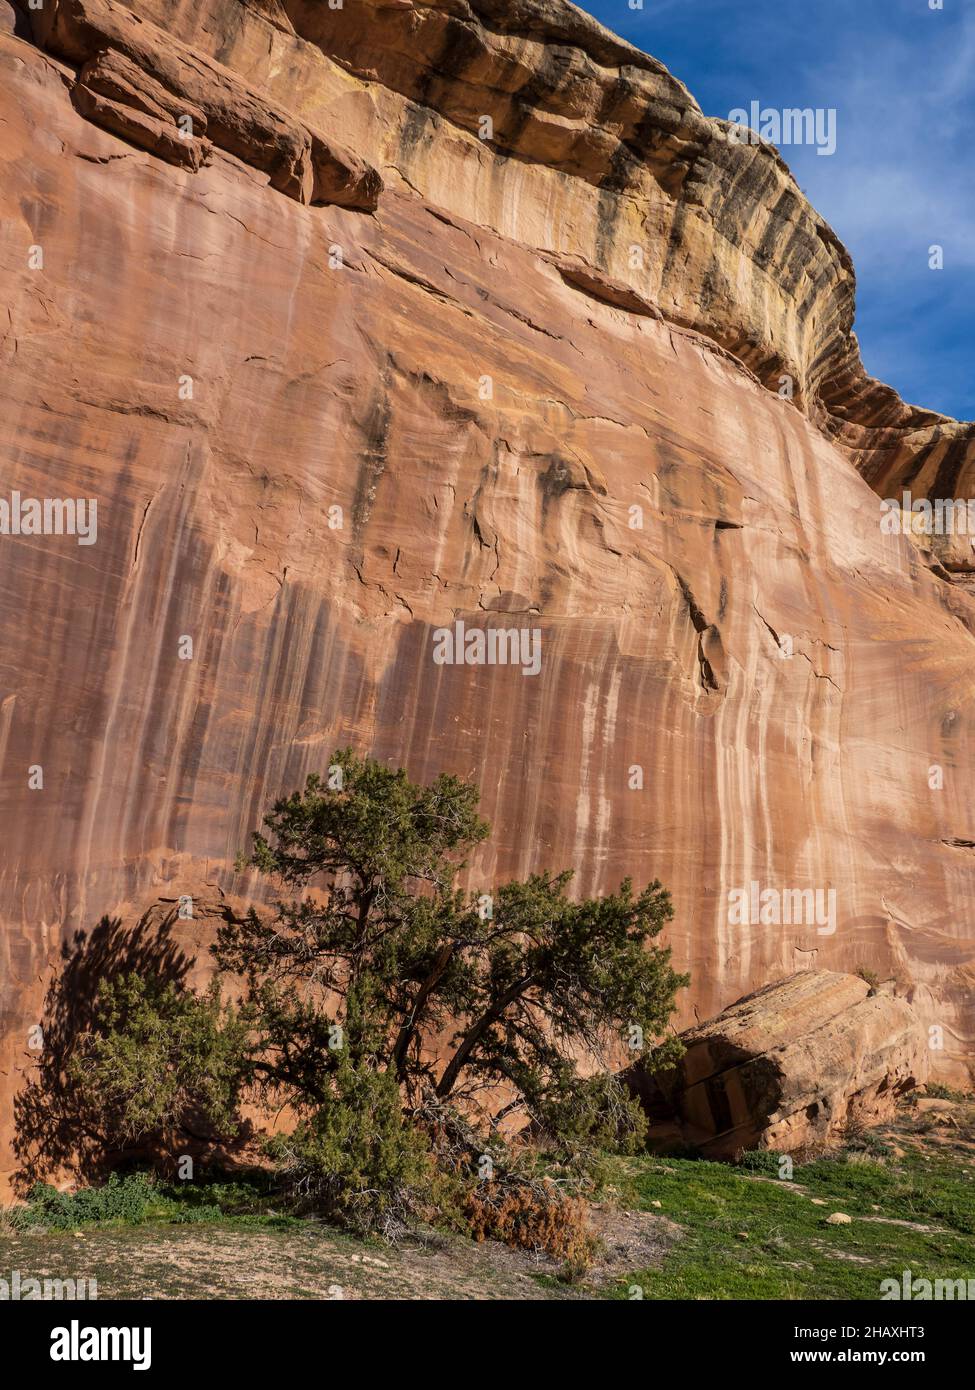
{"x": 339, "y": 372}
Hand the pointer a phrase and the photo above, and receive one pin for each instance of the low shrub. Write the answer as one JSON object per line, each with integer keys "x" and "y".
{"x": 532, "y": 1216}
{"x": 131, "y": 1200}
{"x": 764, "y": 1161}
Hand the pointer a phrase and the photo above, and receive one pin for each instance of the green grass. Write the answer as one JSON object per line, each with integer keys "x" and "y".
{"x": 745, "y": 1234}
{"x": 747, "y": 1237}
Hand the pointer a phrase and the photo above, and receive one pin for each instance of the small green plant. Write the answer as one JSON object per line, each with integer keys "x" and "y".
{"x": 763, "y": 1161}
{"x": 939, "y": 1091}
{"x": 865, "y": 1141}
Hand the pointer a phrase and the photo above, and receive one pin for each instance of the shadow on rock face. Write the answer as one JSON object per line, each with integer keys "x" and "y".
{"x": 13, "y": 20}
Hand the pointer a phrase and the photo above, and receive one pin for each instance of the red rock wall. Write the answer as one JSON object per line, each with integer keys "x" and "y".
{"x": 363, "y": 387}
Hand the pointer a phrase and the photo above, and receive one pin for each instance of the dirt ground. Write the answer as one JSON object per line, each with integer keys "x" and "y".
{"x": 214, "y": 1262}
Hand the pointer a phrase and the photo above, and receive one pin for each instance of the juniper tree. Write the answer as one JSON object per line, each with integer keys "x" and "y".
{"x": 378, "y": 958}
{"x": 380, "y": 1007}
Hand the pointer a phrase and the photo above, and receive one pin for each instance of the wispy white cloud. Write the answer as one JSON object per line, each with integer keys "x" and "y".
{"x": 900, "y": 180}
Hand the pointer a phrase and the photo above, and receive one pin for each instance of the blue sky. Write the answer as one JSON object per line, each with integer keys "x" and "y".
{"x": 902, "y": 79}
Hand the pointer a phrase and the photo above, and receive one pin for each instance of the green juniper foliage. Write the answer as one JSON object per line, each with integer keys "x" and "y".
{"x": 160, "y": 1059}
{"x": 375, "y": 995}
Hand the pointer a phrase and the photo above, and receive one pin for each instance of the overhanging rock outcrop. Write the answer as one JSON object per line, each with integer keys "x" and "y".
{"x": 795, "y": 1063}
{"x": 146, "y": 87}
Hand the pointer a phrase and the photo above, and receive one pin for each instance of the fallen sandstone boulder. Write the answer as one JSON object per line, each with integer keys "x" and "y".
{"x": 794, "y": 1063}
